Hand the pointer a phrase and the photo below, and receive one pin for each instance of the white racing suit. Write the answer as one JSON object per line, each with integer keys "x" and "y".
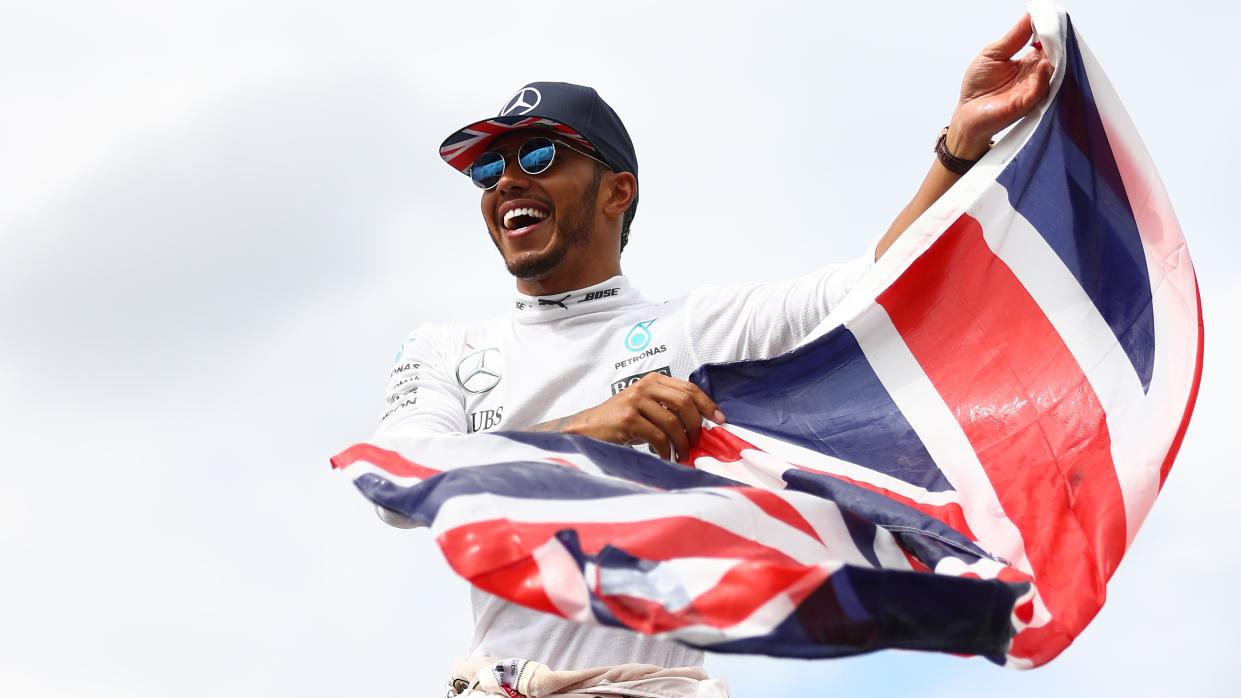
{"x": 553, "y": 356}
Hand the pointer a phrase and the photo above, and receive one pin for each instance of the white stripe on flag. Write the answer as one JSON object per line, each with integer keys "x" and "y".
{"x": 563, "y": 582}
{"x": 793, "y": 453}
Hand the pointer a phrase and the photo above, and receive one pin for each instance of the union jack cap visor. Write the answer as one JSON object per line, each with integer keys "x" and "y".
{"x": 574, "y": 113}
{"x": 463, "y": 147}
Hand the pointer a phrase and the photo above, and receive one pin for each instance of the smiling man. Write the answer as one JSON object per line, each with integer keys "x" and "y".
{"x": 540, "y": 240}
{"x": 582, "y": 351}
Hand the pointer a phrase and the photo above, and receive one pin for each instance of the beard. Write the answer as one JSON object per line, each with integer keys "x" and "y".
{"x": 573, "y": 228}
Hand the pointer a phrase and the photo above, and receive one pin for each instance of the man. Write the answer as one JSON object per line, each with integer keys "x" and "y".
{"x": 582, "y": 352}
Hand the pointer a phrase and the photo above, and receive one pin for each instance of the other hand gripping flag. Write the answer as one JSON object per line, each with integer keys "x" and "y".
{"x": 955, "y": 461}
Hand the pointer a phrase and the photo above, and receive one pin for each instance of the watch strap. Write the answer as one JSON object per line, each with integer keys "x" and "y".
{"x": 953, "y": 163}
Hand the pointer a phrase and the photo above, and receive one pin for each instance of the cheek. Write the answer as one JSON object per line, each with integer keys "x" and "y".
{"x": 486, "y": 206}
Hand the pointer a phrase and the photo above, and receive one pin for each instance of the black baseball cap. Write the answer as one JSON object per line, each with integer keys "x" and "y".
{"x": 574, "y": 112}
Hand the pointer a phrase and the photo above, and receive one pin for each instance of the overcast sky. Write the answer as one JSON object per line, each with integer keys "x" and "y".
{"x": 218, "y": 220}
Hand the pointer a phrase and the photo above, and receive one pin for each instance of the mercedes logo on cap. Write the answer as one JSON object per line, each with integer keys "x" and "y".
{"x": 479, "y": 371}
{"x": 523, "y": 102}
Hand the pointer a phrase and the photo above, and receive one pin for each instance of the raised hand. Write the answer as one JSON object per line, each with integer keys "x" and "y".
{"x": 997, "y": 91}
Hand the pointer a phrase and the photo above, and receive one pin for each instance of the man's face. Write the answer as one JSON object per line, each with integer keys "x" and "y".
{"x": 550, "y": 216}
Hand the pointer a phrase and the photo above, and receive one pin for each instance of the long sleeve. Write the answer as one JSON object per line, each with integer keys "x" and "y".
{"x": 731, "y": 322}
{"x": 422, "y": 398}
{"x": 422, "y": 394}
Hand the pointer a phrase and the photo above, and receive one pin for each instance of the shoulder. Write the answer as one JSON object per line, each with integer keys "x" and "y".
{"x": 712, "y": 299}
{"x": 721, "y": 292}
{"x": 446, "y": 340}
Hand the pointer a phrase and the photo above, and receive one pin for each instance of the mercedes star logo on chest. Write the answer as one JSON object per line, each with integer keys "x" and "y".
{"x": 480, "y": 371}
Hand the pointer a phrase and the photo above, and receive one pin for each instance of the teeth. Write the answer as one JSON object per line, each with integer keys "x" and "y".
{"x": 513, "y": 213}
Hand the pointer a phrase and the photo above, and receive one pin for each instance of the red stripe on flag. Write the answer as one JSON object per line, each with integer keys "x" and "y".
{"x": 484, "y": 545}
{"x": 1193, "y": 397}
{"x": 1027, "y": 410}
{"x": 647, "y": 616}
{"x": 497, "y": 557}
{"x": 740, "y": 592}
{"x": 389, "y": 461}
{"x": 749, "y": 585}
{"x": 718, "y": 443}
{"x": 777, "y": 508}
{"x": 915, "y": 563}
{"x": 951, "y": 514}
{"x": 520, "y": 583}
{"x": 723, "y": 445}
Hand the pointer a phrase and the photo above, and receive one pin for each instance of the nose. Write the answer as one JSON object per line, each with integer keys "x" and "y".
{"x": 513, "y": 178}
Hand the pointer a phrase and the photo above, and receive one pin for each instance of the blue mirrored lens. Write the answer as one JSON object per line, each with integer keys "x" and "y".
{"x": 536, "y": 155}
{"x": 487, "y": 169}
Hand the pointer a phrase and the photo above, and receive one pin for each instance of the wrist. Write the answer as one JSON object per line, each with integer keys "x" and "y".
{"x": 966, "y": 146}
{"x": 564, "y": 425}
{"x": 575, "y": 424}
{"x": 958, "y": 152}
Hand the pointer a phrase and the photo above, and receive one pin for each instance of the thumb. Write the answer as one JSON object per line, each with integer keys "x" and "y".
{"x": 1011, "y": 42}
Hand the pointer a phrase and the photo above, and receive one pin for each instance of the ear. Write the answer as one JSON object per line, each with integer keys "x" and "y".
{"x": 620, "y": 189}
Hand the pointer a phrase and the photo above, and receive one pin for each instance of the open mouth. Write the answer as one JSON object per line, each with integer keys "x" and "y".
{"x": 520, "y": 220}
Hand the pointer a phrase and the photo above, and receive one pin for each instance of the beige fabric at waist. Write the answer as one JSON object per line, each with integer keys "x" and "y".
{"x": 475, "y": 677}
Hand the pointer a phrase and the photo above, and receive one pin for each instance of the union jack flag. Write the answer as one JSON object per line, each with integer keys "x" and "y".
{"x": 955, "y": 461}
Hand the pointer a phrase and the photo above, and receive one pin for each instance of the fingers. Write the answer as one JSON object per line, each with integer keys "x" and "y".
{"x": 677, "y": 403}
{"x": 1013, "y": 41}
{"x": 1033, "y": 85}
{"x": 1041, "y": 82}
{"x": 675, "y": 408}
{"x": 688, "y": 402}
{"x": 706, "y": 406}
{"x": 647, "y": 432}
{"x": 658, "y": 410}
{"x": 701, "y": 401}
{"x": 669, "y": 424}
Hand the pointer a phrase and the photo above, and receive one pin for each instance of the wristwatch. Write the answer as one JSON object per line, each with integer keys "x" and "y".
{"x": 952, "y": 162}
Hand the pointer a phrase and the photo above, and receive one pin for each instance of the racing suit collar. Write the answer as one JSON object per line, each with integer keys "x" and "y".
{"x": 612, "y": 293}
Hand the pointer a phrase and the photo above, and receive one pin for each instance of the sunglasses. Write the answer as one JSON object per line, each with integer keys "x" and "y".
{"x": 534, "y": 156}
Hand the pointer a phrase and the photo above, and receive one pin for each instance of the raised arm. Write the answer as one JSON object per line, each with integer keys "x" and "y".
{"x": 997, "y": 90}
